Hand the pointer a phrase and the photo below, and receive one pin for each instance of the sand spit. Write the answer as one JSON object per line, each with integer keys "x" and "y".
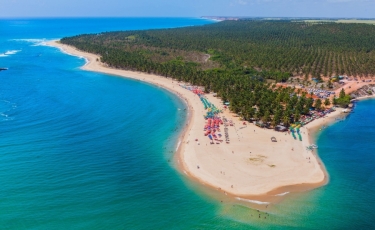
{"x": 250, "y": 167}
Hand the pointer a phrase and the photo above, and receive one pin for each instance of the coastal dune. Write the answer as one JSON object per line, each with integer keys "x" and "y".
{"x": 251, "y": 165}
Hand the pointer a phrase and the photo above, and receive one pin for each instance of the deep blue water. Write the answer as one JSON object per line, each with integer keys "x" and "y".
{"x": 83, "y": 150}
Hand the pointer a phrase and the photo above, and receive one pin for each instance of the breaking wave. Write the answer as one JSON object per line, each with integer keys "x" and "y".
{"x": 282, "y": 194}
{"x": 9, "y": 52}
{"x": 36, "y": 42}
{"x": 252, "y": 201}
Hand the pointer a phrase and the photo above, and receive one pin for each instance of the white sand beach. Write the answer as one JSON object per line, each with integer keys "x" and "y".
{"x": 251, "y": 165}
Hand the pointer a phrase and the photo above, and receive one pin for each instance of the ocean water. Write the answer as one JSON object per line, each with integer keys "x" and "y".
{"x": 84, "y": 150}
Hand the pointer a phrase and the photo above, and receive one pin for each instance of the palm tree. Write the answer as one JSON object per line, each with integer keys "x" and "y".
{"x": 286, "y": 120}
{"x": 318, "y": 104}
{"x": 327, "y": 102}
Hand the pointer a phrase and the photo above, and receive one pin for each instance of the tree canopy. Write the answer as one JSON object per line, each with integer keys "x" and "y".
{"x": 276, "y": 49}
{"x": 343, "y": 100}
{"x": 234, "y": 59}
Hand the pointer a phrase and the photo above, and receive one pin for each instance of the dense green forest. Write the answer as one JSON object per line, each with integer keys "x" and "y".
{"x": 233, "y": 58}
{"x": 275, "y": 48}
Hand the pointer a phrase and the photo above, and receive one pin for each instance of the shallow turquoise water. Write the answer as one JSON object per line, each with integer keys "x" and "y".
{"x": 83, "y": 150}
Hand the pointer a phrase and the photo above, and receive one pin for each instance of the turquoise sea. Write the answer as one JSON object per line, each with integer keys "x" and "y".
{"x": 84, "y": 150}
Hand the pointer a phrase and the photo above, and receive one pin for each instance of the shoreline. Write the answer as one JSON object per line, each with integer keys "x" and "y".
{"x": 265, "y": 178}
{"x": 364, "y": 98}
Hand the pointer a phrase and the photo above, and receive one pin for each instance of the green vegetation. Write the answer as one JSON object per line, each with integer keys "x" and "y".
{"x": 327, "y": 102}
{"x": 236, "y": 59}
{"x": 344, "y": 21}
{"x": 318, "y": 104}
{"x": 343, "y": 100}
{"x": 270, "y": 49}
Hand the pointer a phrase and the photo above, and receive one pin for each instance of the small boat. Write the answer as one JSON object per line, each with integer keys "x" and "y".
{"x": 1, "y": 69}
{"x": 314, "y": 146}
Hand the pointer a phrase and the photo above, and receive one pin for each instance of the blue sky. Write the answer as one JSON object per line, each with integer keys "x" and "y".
{"x": 187, "y": 8}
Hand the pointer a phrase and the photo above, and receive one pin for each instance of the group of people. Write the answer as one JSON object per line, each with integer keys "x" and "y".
{"x": 226, "y": 131}
{"x": 320, "y": 92}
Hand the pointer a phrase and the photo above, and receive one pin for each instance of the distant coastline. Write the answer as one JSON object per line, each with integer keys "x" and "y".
{"x": 218, "y": 18}
{"x": 251, "y": 166}
{"x": 345, "y": 20}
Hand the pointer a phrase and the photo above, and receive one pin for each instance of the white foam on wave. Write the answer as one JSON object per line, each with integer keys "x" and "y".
{"x": 6, "y": 117}
{"x": 78, "y": 56}
{"x": 282, "y": 194}
{"x": 86, "y": 60}
{"x": 252, "y": 201}
{"x": 6, "y": 106}
{"x": 35, "y": 41}
{"x": 9, "y": 52}
{"x": 178, "y": 145}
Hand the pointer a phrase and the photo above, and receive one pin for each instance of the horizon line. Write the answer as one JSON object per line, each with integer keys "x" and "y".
{"x": 205, "y": 16}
